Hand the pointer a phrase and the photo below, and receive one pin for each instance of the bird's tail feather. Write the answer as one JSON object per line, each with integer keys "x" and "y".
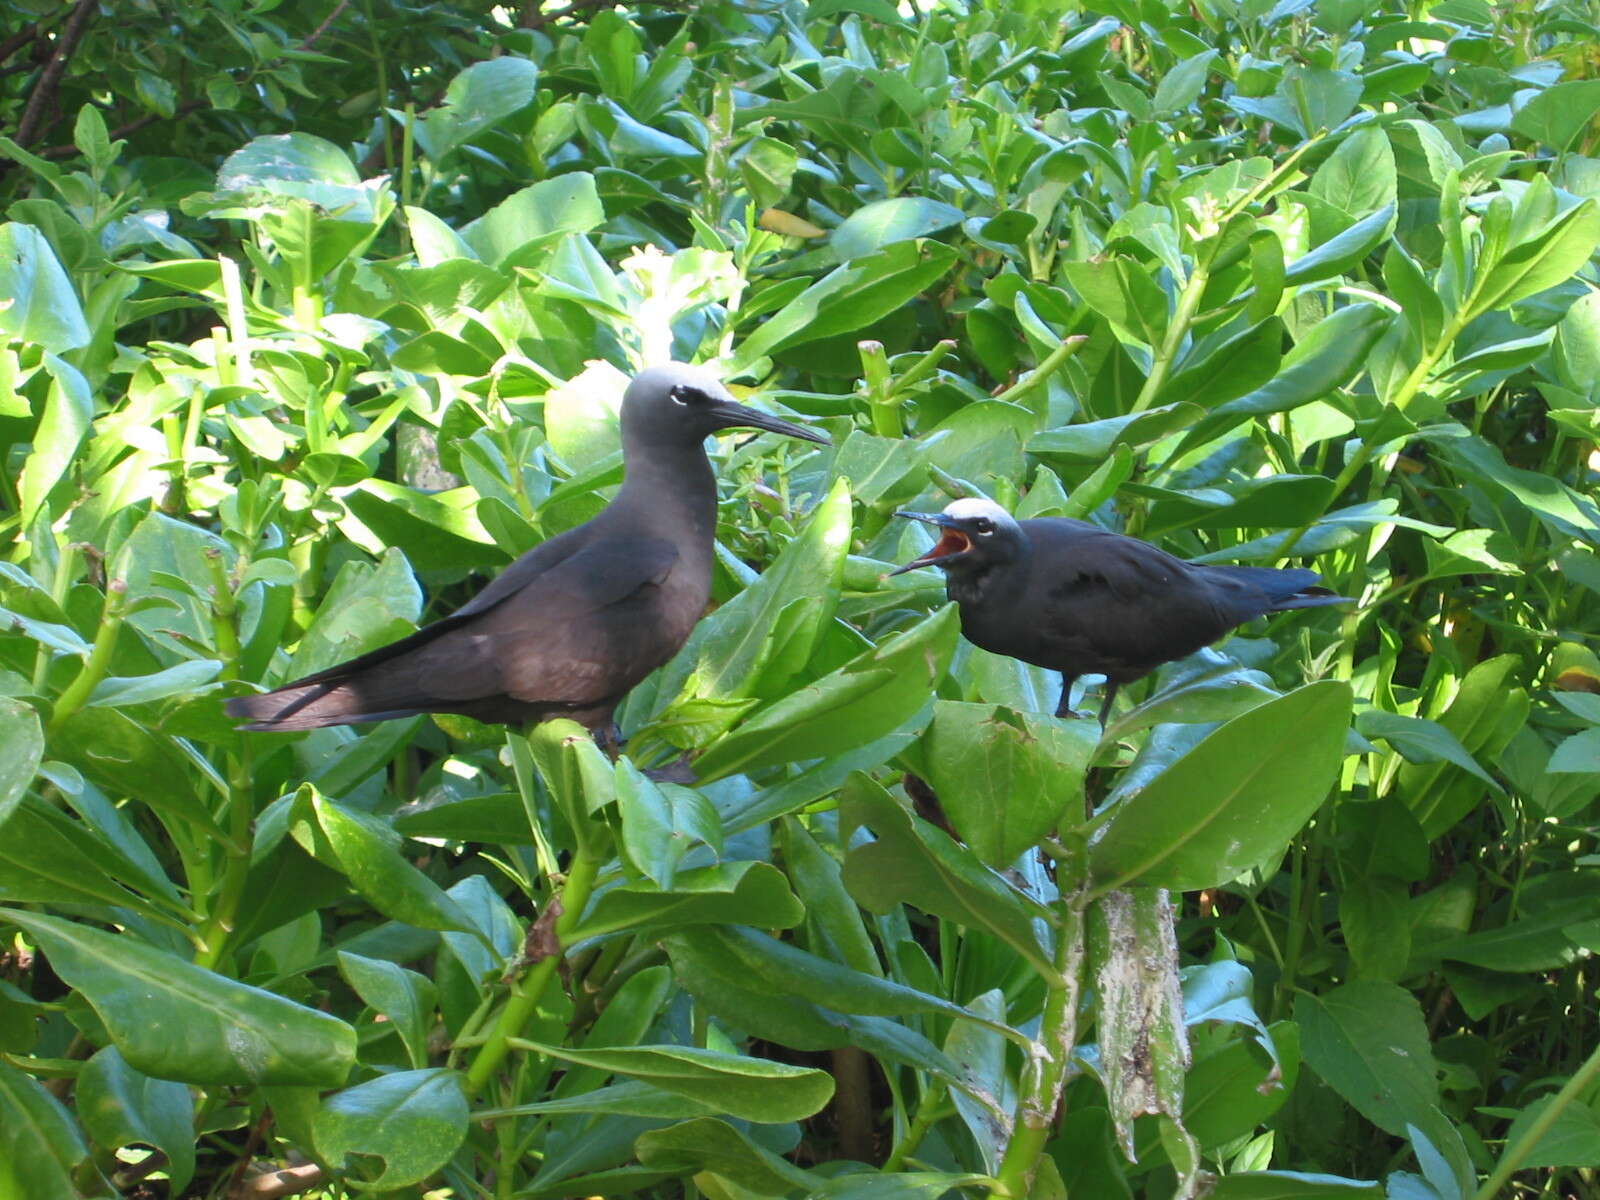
{"x": 1311, "y": 598}
{"x": 316, "y": 705}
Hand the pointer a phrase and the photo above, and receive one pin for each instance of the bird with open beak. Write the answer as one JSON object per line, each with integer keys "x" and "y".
{"x": 1073, "y": 597}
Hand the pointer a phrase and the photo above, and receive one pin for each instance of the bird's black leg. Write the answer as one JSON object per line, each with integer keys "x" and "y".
{"x": 1105, "y": 705}
{"x": 1064, "y": 708}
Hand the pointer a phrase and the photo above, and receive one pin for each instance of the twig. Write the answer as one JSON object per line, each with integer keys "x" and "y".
{"x": 68, "y": 150}
{"x": 18, "y": 40}
{"x": 44, "y": 91}
{"x": 290, "y": 1181}
{"x": 311, "y": 38}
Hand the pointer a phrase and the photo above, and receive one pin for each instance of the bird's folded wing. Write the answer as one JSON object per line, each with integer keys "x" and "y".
{"x": 577, "y": 632}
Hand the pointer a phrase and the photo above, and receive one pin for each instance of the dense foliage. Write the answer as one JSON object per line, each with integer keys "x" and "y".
{"x": 315, "y": 315}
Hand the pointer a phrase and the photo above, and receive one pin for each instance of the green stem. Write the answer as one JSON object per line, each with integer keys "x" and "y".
{"x": 222, "y": 918}
{"x": 1514, "y": 1154}
{"x": 94, "y": 670}
{"x": 1040, "y": 375}
{"x": 1177, "y": 330}
{"x": 529, "y": 989}
{"x": 1045, "y": 1075}
{"x": 932, "y": 1108}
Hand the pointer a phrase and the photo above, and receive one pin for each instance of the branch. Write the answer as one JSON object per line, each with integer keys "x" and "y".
{"x": 68, "y": 150}
{"x": 311, "y": 38}
{"x": 45, "y": 90}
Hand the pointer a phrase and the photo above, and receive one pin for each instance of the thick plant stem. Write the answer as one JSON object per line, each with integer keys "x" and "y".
{"x": 1514, "y": 1154}
{"x": 1167, "y": 354}
{"x": 99, "y": 662}
{"x": 220, "y": 921}
{"x": 1044, "y": 1077}
{"x": 529, "y": 989}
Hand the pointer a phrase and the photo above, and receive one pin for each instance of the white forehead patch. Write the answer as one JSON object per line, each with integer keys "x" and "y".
{"x": 976, "y": 506}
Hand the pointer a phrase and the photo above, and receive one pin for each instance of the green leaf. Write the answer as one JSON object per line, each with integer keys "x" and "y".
{"x": 1231, "y": 803}
{"x": 1573, "y": 1140}
{"x": 781, "y": 969}
{"x": 367, "y": 851}
{"x": 1375, "y": 921}
{"x": 728, "y": 892}
{"x": 1339, "y": 255}
{"x": 911, "y": 861}
{"x": 477, "y": 99}
{"x": 1359, "y": 176}
{"x": 752, "y": 1089}
{"x": 1368, "y": 1042}
{"x": 1005, "y": 778}
{"x": 40, "y": 1146}
{"x": 661, "y": 823}
{"x": 1539, "y": 261}
{"x": 1418, "y": 740}
{"x": 758, "y": 641}
{"x": 184, "y": 679}
{"x": 413, "y": 1120}
{"x": 1557, "y": 115}
{"x": 847, "y": 298}
{"x": 1182, "y": 85}
{"x": 37, "y": 301}
{"x": 884, "y": 222}
{"x": 1578, "y": 754}
{"x": 21, "y": 749}
{"x": 869, "y": 697}
{"x": 707, "y": 1144}
{"x": 366, "y": 607}
{"x": 405, "y": 998}
{"x": 120, "y": 1107}
{"x": 1094, "y": 441}
{"x": 1291, "y": 1185}
{"x": 212, "y": 1030}
{"x": 534, "y": 217}
{"x": 1243, "y": 363}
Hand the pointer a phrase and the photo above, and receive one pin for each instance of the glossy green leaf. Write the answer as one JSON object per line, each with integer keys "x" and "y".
{"x": 752, "y": 1089}
{"x": 758, "y": 641}
{"x": 884, "y": 222}
{"x": 707, "y": 1144}
{"x": 913, "y": 862}
{"x": 1004, "y": 778}
{"x": 730, "y": 892}
{"x": 1232, "y": 802}
{"x": 661, "y": 822}
{"x": 41, "y": 1145}
{"x": 866, "y": 699}
{"x": 403, "y": 997}
{"x": 367, "y": 851}
{"x": 483, "y": 94}
{"x": 851, "y": 296}
{"x": 37, "y": 300}
{"x": 213, "y": 1030}
{"x": 413, "y": 1120}
{"x": 120, "y": 1107}
{"x": 1367, "y": 1041}
{"x": 21, "y": 749}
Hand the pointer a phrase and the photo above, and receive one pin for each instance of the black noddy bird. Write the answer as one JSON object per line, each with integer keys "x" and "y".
{"x": 572, "y": 625}
{"x": 1075, "y": 598}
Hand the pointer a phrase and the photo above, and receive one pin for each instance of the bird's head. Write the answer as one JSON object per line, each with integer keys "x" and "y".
{"x": 975, "y": 534}
{"x": 676, "y": 404}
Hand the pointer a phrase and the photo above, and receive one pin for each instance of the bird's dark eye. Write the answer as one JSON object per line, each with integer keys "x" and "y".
{"x": 983, "y": 525}
{"x": 686, "y": 395}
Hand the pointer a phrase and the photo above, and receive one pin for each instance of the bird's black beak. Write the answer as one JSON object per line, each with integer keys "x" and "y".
{"x": 952, "y": 545}
{"x": 731, "y": 415}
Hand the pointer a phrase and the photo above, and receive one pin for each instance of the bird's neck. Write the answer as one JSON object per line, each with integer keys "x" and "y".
{"x": 671, "y": 491}
{"x": 978, "y": 585}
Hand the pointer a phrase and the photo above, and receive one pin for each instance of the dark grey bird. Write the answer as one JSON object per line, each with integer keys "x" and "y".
{"x": 572, "y": 625}
{"x": 1075, "y": 598}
